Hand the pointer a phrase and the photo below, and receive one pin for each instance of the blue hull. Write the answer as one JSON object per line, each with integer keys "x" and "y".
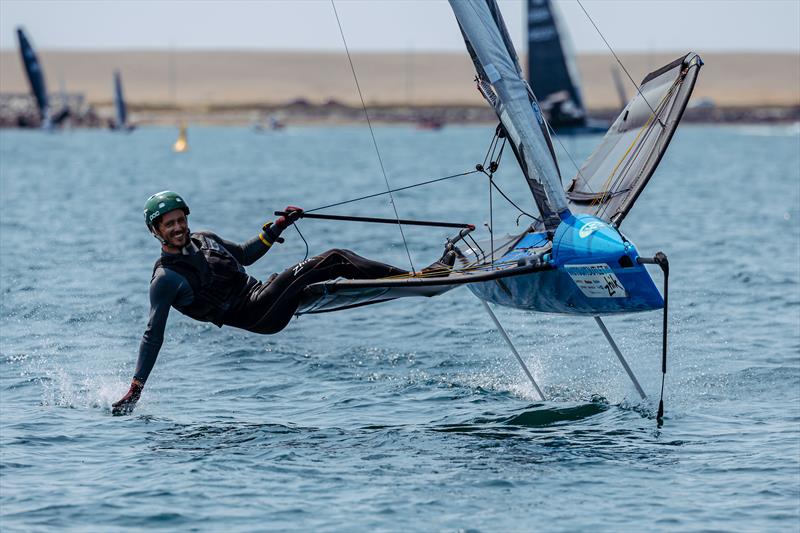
{"x": 595, "y": 273}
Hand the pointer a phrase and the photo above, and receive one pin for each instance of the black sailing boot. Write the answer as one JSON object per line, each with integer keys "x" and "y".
{"x": 444, "y": 265}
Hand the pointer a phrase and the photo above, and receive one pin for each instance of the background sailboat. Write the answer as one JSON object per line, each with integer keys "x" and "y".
{"x": 553, "y": 74}
{"x": 35, "y": 75}
{"x": 120, "y": 122}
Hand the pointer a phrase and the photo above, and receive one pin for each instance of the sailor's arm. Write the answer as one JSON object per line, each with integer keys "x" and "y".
{"x": 164, "y": 289}
{"x": 254, "y": 249}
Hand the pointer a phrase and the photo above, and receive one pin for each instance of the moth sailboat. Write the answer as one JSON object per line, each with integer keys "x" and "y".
{"x": 120, "y": 107}
{"x": 573, "y": 259}
{"x": 553, "y": 74}
{"x": 35, "y": 75}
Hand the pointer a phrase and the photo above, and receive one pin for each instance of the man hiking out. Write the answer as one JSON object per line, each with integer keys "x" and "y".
{"x": 202, "y": 275}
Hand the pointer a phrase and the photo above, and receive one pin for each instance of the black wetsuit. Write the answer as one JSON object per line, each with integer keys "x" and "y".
{"x": 207, "y": 281}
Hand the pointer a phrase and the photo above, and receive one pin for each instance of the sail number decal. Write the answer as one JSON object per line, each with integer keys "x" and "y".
{"x": 596, "y": 281}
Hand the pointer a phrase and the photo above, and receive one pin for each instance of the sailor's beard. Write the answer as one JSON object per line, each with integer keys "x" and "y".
{"x": 179, "y": 242}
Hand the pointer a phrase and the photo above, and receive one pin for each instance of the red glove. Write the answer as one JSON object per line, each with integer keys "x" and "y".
{"x": 125, "y": 405}
{"x": 292, "y": 215}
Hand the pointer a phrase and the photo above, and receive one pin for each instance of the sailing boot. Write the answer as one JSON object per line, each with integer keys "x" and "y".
{"x": 444, "y": 265}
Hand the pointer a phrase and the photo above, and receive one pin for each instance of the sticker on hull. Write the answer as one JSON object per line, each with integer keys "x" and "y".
{"x": 596, "y": 281}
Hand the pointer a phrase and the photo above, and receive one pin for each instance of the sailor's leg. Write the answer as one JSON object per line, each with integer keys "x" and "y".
{"x": 271, "y": 306}
{"x": 350, "y": 265}
{"x": 622, "y": 360}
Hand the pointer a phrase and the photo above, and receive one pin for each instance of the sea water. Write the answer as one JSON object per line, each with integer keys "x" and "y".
{"x": 410, "y": 415}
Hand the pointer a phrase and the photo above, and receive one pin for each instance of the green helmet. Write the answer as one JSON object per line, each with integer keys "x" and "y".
{"x": 160, "y": 204}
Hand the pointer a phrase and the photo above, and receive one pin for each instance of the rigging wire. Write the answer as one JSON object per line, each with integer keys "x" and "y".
{"x": 569, "y": 155}
{"x": 492, "y": 146}
{"x": 493, "y": 168}
{"x": 372, "y": 133}
{"x": 467, "y": 173}
{"x": 491, "y": 209}
{"x": 479, "y": 168}
{"x": 638, "y": 90}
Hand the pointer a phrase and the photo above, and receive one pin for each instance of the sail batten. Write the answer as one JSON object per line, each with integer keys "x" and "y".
{"x": 497, "y": 66}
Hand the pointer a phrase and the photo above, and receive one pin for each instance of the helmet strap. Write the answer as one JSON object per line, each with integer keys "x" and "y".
{"x": 158, "y": 237}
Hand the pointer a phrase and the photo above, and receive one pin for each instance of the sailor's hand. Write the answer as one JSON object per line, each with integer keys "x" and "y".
{"x": 126, "y": 404}
{"x": 292, "y": 214}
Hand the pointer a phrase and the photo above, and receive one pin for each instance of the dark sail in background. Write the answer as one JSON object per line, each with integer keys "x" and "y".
{"x": 552, "y": 72}
{"x": 120, "y": 108}
{"x": 35, "y": 76}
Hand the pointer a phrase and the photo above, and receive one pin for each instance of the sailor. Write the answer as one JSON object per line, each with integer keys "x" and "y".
{"x": 202, "y": 275}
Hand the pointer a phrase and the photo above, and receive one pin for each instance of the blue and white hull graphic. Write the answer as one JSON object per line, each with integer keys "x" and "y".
{"x": 596, "y": 272}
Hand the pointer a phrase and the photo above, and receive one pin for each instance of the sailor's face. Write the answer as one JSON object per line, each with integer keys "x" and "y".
{"x": 174, "y": 228}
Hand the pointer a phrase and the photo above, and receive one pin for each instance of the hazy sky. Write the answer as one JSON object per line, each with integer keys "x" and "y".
{"x": 401, "y": 25}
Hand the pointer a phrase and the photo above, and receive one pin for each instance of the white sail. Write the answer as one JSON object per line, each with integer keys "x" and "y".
{"x": 503, "y": 84}
{"x": 611, "y": 179}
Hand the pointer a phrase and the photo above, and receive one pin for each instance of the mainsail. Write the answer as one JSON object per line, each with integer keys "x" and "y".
{"x": 35, "y": 77}
{"x": 119, "y": 103}
{"x": 611, "y": 179}
{"x": 552, "y": 72}
{"x": 501, "y": 81}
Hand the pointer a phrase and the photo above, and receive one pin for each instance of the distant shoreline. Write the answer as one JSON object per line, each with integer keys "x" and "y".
{"x": 191, "y": 79}
{"x": 302, "y": 112}
{"x": 332, "y": 113}
{"x": 245, "y": 87}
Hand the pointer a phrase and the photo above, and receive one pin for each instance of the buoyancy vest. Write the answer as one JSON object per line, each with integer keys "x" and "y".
{"x": 216, "y": 277}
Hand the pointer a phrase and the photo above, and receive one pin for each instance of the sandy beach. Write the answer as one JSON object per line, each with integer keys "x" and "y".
{"x": 228, "y": 78}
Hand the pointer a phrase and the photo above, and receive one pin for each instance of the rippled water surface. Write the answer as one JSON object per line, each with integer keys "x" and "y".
{"x": 410, "y": 415}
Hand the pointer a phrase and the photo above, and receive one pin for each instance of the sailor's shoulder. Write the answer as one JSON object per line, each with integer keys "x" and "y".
{"x": 205, "y": 234}
{"x": 163, "y": 276}
{"x": 209, "y": 240}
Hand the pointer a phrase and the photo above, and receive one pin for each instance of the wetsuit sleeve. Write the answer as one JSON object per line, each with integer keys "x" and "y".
{"x": 164, "y": 290}
{"x": 252, "y": 250}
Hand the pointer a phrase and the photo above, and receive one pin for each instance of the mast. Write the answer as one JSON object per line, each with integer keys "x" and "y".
{"x": 501, "y": 82}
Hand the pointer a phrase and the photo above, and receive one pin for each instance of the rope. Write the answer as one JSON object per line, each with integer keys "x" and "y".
{"x": 638, "y": 90}
{"x": 647, "y": 126}
{"x": 491, "y": 216}
{"x": 492, "y": 168}
{"x": 372, "y": 133}
{"x": 304, "y": 239}
{"x": 436, "y": 272}
{"x": 420, "y": 184}
{"x": 569, "y": 155}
